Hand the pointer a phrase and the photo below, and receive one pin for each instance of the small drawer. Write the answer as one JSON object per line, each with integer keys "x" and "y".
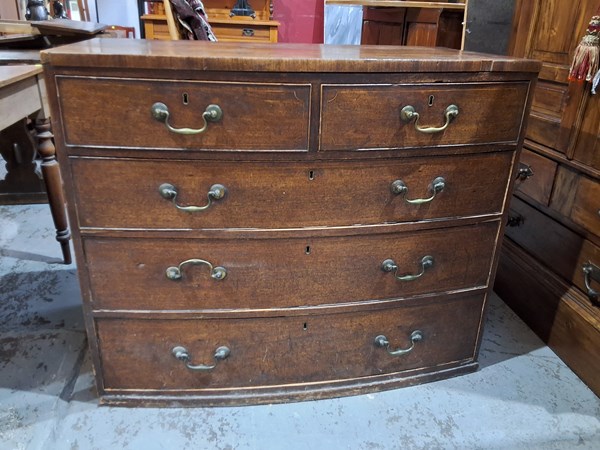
{"x": 374, "y": 116}
{"x": 139, "y": 354}
{"x": 241, "y": 33}
{"x": 536, "y": 176}
{"x": 118, "y": 112}
{"x": 586, "y": 205}
{"x": 116, "y": 193}
{"x": 258, "y": 273}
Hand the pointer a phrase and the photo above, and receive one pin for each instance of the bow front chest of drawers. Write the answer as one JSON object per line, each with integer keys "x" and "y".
{"x": 258, "y": 223}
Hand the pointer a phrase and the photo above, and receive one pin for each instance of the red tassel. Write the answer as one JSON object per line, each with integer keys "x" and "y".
{"x": 587, "y": 54}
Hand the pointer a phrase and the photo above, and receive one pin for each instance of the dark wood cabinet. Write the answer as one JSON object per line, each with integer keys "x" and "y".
{"x": 555, "y": 229}
{"x": 245, "y": 233}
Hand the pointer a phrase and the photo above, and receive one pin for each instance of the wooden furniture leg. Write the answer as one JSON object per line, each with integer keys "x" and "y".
{"x": 54, "y": 187}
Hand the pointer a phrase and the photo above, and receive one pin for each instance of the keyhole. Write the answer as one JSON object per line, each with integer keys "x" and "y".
{"x": 311, "y": 175}
{"x": 307, "y": 251}
{"x": 430, "y": 103}
{"x": 186, "y": 99}
{"x": 305, "y": 326}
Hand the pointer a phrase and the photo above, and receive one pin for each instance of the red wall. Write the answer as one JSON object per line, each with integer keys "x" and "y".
{"x": 301, "y": 20}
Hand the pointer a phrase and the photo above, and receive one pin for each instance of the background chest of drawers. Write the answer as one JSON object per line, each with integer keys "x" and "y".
{"x": 310, "y": 242}
{"x": 550, "y": 267}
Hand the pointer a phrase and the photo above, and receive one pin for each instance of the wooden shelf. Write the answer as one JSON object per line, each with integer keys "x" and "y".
{"x": 398, "y": 4}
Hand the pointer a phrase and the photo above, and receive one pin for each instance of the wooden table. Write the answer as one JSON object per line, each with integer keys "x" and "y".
{"x": 23, "y": 93}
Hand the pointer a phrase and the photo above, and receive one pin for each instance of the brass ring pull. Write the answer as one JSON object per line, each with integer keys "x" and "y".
{"x": 174, "y": 273}
{"x": 591, "y": 272}
{"x": 382, "y": 341}
{"x": 182, "y": 354}
{"x": 399, "y": 187}
{"x": 409, "y": 113}
{"x": 390, "y": 266}
{"x": 169, "y": 192}
{"x": 160, "y": 112}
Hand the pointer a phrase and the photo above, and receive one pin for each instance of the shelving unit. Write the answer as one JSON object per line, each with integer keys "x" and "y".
{"x": 261, "y": 28}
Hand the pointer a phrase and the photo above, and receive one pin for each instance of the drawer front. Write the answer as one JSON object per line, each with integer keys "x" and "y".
{"x": 555, "y": 245}
{"x": 284, "y": 273}
{"x": 586, "y": 205}
{"x": 137, "y": 354}
{"x": 369, "y": 116}
{"x": 537, "y": 176}
{"x": 242, "y": 33}
{"x": 117, "y": 113}
{"x": 119, "y": 193}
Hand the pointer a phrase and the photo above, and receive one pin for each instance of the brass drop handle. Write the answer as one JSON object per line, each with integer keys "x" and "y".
{"x": 170, "y": 192}
{"x": 160, "y": 112}
{"x": 390, "y": 266}
{"x": 409, "y": 113}
{"x": 399, "y": 187}
{"x": 591, "y": 272}
{"x": 174, "y": 273}
{"x": 182, "y": 354}
{"x": 382, "y": 341}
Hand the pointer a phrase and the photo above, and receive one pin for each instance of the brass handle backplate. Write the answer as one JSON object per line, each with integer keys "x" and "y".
{"x": 182, "y": 354}
{"x": 160, "y": 112}
{"x": 390, "y": 266}
{"x": 174, "y": 273}
{"x": 399, "y": 187}
{"x": 170, "y": 192}
{"x": 591, "y": 272}
{"x": 383, "y": 342}
{"x": 408, "y": 113}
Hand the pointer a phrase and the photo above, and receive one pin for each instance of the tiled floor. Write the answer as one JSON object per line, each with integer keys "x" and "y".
{"x": 523, "y": 397}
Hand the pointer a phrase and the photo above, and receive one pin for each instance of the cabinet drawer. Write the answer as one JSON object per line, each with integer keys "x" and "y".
{"x": 555, "y": 245}
{"x": 586, "y": 205}
{"x": 538, "y": 183}
{"x": 137, "y": 353}
{"x": 116, "y": 112}
{"x": 284, "y": 273}
{"x": 369, "y": 116}
{"x": 242, "y": 33}
{"x": 120, "y": 193}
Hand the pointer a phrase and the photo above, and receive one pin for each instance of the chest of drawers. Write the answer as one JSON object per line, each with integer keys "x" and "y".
{"x": 262, "y": 223}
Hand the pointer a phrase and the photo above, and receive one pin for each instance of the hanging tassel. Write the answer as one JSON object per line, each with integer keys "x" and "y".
{"x": 587, "y": 53}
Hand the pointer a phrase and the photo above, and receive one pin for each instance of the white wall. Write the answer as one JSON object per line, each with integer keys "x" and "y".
{"x": 116, "y": 12}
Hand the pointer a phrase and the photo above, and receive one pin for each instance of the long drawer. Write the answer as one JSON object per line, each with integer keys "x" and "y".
{"x": 139, "y": 354}
{"x": 255, "y": 117}
{"x": 371, "y": 117}
{"x": 116, "y": 193}
{"x": 257, "y": 274}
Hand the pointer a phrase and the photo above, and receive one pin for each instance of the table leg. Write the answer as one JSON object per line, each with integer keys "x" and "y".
{"x": 54, "y": 187}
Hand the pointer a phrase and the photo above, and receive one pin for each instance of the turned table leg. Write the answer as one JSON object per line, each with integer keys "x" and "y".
{"x": 54, "y": 187}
